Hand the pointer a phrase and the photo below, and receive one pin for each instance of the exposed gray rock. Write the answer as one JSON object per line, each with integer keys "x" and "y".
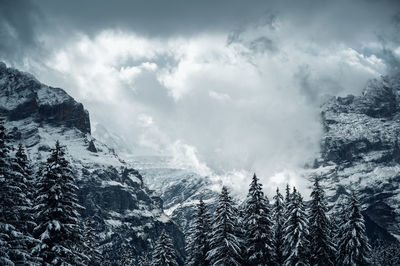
{"x": 360, "y": 150}
{"x": 23, "y": 97}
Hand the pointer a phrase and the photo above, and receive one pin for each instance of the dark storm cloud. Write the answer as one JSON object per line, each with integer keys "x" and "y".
{"x": 18, "y": 28}
{"x": 351, "y": 22}
{"x": 154, "y": 17}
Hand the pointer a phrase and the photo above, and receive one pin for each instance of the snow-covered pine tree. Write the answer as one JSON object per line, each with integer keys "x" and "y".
{"x": 198, "y": 243}
{"x": 24, "y": 175}
{"x": 57, "y": 214}
{"x": 24, "y": 179}
{"x": 322, "y": 247}
{"x": 257, "y": 226}
{"x": 164, "y": 252}
{"x": 278, "y": 215}
{"x": 287, "y": 197}
{"x": 225, "y": 240}
{"x": 91, "y": 242}
{"x": 296, "y": 232}
{"x": 353, "y": 245}
{"x": 14, "y": 206}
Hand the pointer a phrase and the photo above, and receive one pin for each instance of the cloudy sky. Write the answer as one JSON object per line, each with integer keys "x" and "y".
{"x": 226, "y": 87}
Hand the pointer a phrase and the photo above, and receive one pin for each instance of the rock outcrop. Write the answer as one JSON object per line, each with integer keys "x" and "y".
{"x": 360, "y": 150}
{"x": 23, "y": 97}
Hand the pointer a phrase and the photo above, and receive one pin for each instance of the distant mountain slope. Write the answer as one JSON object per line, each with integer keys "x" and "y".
{"x": 124, "y": 209}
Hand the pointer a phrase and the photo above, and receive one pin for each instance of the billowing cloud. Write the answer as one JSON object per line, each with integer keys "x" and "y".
{"x": 225, "y": 87}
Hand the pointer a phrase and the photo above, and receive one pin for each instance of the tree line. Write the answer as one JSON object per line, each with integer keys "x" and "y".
{"x": 286, "y": 232}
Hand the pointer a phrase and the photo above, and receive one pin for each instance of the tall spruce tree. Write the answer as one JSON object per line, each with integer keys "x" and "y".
{"x": 322, "y": 247}
{"x": 14, "y": 206}
{"x": 57, "y": 216}
{"x": 24, "y": 175}
{"x": 257, "y": 226}
{"x": 225, "y": 240}
{"x": 353, "y": 245}
{"x": 278, "y": 229}
{"x": 296, "y": 232}
{"x": 198, "y": 243}
{"x": 164, "y": 252}
{"x": 23, "y": 178}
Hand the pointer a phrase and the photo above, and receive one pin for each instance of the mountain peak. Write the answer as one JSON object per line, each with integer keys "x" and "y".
{"x": 23, "y": 96}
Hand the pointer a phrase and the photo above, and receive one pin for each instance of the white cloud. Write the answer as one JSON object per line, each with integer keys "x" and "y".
{"x": 217, "y": 106}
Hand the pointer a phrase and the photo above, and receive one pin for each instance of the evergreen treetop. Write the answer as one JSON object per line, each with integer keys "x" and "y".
{"x": 58, "y": 226}
{"x": 257, "y": 226}
{"x": 353, "y": 246}
{"x": 225, "y": 240}
{"x": 198, "y": 244}
{"x": 164, "y": 252}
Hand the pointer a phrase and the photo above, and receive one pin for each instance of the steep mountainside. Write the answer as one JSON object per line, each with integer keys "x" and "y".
{"x": 360, "y": 150}
{"x": 125, "y": 211}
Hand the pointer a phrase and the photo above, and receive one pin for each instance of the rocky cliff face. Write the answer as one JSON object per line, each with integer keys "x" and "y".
{"x": 125, "y": 211}
{"x": 360, "y": 150}
{"x": 23, "y": 97}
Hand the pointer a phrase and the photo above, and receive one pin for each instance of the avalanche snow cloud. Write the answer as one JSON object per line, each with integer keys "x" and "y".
{"x": 223, "y": 86}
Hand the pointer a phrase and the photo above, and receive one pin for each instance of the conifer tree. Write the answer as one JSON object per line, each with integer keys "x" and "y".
{"x": 353, "y": 245}
{"x": 287, "y": 197}
{"x": 14, "y": 206}
{"x": 23, "y": 178}
{"x": 225, "y": 240}
{"x": 164, "y": 252}
{"x": 322, "y": 247}
{"x": 198, "y": 243}
{"x": 91, "y": 243}
{"x": 257, "y": 225}
{"x": 57, "y": 216}
{"x": 278, "y": 229}
{"x": 296, "y": 232}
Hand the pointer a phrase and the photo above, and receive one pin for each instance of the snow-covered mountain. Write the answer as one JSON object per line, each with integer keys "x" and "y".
{"x": 360, "y": 150}
{"x": 126, "y": 212}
